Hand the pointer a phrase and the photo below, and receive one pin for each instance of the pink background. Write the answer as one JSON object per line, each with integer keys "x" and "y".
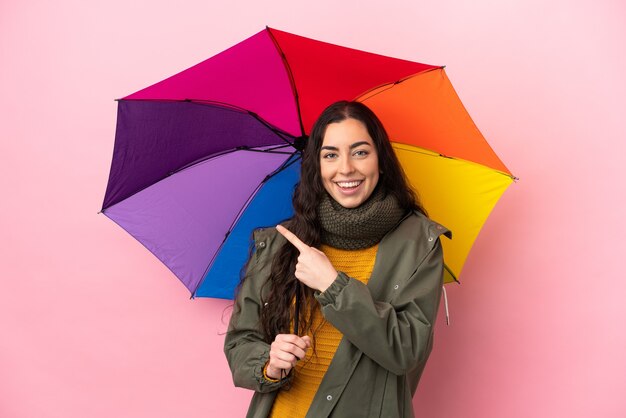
{"x": 91, "y": 324}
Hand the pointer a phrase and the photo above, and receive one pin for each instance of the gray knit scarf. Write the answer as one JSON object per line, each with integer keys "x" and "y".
{"x": 360, "y": 227}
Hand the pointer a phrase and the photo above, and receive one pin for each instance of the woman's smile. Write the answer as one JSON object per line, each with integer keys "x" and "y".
{"x": 348, "y": 184}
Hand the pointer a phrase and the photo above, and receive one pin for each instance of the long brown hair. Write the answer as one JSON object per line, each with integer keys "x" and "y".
{"x": 277, "y": 315}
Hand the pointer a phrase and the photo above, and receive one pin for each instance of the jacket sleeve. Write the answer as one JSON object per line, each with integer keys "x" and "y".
{"x": 396, "y": 334}
{"x": 244, "y": 346}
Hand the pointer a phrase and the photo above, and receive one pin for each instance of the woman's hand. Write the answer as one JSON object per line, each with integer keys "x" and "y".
{"x": 313, "y": 268}
{"x": 285, "y": 352}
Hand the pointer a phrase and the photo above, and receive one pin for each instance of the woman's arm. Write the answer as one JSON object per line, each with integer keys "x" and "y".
{"x": 396, "y": 335}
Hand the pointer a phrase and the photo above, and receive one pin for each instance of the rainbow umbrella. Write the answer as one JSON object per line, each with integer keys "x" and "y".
{"x": 207, "y": 155}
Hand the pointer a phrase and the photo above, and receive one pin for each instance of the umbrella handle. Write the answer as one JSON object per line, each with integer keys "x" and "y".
{"x": 296, "y": 314}
{"x": 296, "y": 317}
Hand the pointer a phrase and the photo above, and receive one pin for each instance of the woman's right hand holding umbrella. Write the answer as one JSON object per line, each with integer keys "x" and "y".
{"x": 285, "y": 352}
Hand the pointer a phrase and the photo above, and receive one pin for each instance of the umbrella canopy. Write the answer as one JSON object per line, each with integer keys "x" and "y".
{"x": 207, "y": 155}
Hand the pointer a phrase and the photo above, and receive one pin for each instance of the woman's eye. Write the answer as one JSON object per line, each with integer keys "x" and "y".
{"x": 361, "y": 153}
{"x": 329, "y": 155}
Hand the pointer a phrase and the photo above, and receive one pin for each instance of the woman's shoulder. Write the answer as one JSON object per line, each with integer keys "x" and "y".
{"x": 268, "y": 237}
{"x": 416, "y": 225}
{"x": 410, "y": 242}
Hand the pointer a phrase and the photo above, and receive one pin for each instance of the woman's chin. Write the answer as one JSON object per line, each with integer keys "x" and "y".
{"x": 349, "y": 201}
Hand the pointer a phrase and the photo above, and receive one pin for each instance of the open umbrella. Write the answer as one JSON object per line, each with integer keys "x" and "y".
{"x": 207, "y": 155}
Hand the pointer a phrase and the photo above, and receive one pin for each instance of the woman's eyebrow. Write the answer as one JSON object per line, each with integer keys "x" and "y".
{"x": 356, "y": 144}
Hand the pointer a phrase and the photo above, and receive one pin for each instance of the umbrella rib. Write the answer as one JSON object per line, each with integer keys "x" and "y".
{"x": 437, "y": 154}
{"x": 222, "y": 153}
{"x": 280, "y": 147}
{"x": 364, "y": 96}
{"x": 281, "y": 134}
{"x": 272, "y": 128}
{"x": 283, "y": 167}
{"x": 292, "y": 80}
{"x": 202, "y": 160}
{"x": 268, "y": 151}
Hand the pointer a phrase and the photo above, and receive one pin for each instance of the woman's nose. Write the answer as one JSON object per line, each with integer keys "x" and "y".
{"x": 346, "y": 166}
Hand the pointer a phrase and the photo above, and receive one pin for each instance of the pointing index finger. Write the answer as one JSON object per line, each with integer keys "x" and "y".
{"x": 292, "y": 238}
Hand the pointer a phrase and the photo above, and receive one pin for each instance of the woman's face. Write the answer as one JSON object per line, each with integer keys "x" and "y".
{"x": 348, "y": 162}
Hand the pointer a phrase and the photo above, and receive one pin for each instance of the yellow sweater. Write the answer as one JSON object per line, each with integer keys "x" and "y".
{"x": 309, "y": 372}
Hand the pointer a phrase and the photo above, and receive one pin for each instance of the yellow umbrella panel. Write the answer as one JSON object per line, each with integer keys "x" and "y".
{"x": 458, "y": 194}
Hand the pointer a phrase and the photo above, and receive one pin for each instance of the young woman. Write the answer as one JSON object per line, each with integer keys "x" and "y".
{"x": 367, "y": 265}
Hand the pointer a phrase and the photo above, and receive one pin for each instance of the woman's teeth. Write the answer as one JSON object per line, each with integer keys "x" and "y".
{"x": 348, "y": 184}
